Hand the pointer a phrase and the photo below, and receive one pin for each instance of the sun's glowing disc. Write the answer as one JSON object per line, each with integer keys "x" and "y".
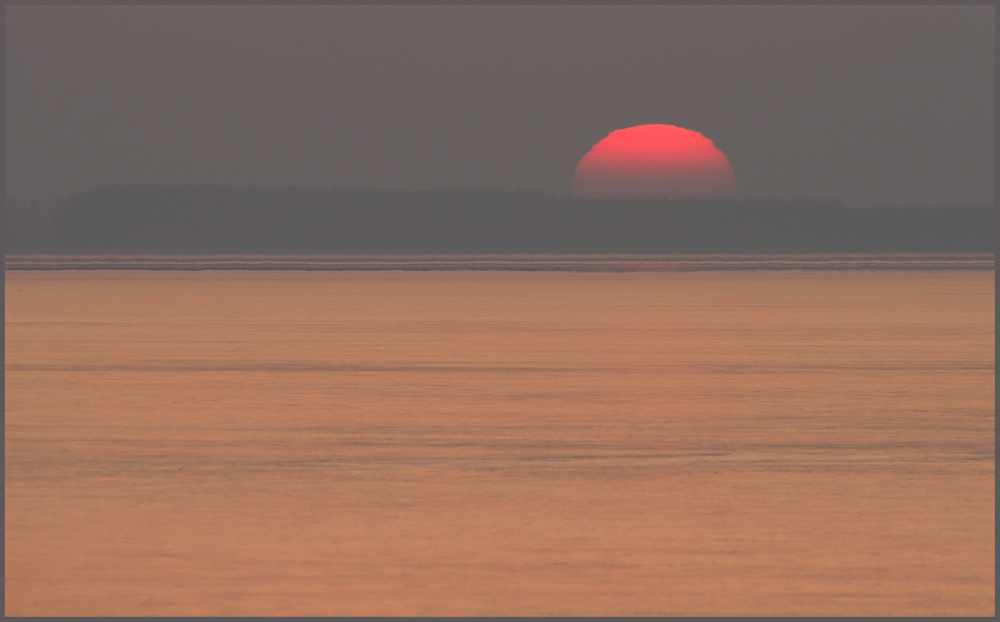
{"x": 654, "y": 161}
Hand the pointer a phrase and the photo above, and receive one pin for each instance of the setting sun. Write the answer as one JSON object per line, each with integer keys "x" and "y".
{"x": 654, "y": 161}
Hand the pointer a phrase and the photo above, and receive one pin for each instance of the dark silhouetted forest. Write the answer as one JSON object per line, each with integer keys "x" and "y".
{"x": 206, "y": 219}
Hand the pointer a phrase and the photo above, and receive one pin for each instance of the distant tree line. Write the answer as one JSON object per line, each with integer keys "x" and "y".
{"x": 211, "y": 219}
{"x": 26, "y": 223}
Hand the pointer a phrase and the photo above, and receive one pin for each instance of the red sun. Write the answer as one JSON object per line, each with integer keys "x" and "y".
{"x": 654, "y": 161}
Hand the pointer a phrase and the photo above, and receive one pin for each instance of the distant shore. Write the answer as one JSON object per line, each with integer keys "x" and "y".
{"x": 563, "y": 263}
{"x": 223, "y": 220}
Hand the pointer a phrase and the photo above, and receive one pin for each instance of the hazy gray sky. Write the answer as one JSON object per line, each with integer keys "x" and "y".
{"x": 861, "y": 104}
